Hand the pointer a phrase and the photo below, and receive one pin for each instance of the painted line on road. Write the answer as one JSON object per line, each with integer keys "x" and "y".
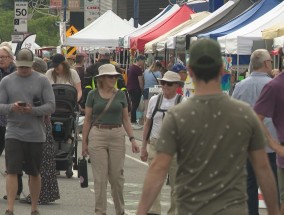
{"x": 112, "y": 203}
{"x": 133, "y": 158}
{"x": 137, "y": 160}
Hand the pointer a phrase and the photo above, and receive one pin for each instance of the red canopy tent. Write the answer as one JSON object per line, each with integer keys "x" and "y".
{"x": 182, "y": 15}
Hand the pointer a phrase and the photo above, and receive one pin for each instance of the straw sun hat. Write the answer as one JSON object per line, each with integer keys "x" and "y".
{"x": 171, "y": 76}
{"x": 107, "y": 69}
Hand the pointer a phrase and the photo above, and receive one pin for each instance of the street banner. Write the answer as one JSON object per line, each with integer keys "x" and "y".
{"x": 91, "y": 11}
{"x": 29, "y": 42}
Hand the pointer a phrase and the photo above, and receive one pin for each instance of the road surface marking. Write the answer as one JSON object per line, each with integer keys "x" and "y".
{"x": 137, "y": 160}
{"x": 112, "y": 203}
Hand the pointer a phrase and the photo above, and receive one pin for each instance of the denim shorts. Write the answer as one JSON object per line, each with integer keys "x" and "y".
{"x": 146, "y": 94}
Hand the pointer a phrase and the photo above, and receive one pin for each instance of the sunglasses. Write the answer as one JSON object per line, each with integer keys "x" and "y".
{"x": 111, "y": 76}
{"x": 168, "y": 83}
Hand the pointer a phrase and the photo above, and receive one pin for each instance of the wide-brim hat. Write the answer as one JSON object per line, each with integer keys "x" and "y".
{"x": 171, "y": 76}
{"x": 107, "y": 69}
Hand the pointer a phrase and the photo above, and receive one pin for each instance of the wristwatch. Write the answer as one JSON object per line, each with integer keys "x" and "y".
{"x": 131, "y": 138}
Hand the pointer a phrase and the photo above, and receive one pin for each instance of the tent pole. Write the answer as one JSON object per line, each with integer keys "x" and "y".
{"x": 119, "y": 56}
{"x": 238, "y": 73}
{"x": 123, "y": 60}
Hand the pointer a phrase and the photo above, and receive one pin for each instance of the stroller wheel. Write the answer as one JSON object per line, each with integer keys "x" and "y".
{"x": 69, "y": 174}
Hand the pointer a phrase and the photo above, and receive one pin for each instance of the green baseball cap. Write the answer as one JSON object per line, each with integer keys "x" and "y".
{"x": 205, "y": 53}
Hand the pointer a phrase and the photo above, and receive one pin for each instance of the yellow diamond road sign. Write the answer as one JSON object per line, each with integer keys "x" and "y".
{"x": 71, "y": 31}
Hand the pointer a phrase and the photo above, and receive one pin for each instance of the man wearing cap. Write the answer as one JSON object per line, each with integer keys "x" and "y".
{"x": 157, "y": 108}
{"x": 182, "y": 71}
{"x": 135, "y": 87}
{"x": 25, "y": 132}
{"x": 212, "y": 135}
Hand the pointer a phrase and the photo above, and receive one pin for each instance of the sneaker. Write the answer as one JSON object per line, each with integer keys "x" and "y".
{"x": 7, "y": 212}
{"x": 136, "y": 126}
{"x": 36, "y": 212}
{"x": 17, "y": 197}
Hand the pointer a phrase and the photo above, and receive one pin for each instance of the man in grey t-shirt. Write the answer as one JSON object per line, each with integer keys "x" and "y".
{"x": 26, "y": 97}
{"x": 212, "y": 136}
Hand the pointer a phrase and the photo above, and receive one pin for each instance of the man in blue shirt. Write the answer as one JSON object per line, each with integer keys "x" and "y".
{"x": 248, "y": 90}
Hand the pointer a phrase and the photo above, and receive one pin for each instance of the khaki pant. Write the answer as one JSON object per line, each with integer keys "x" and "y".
{"x": 156, "y": 206}
{"x": 107, "y": 153}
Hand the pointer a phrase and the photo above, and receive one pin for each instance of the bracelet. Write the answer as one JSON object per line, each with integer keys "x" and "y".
{"x": 131, "y": 138}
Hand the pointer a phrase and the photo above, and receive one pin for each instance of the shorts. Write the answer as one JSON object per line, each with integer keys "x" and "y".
{"x": 23, "y": 156}
{"x": 146, "y": 94}
{"x": 280, "y": 174}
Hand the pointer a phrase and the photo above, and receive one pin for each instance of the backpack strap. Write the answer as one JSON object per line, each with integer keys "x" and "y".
{"x": 178, "y": 99}
{"x": 157, "y": 106}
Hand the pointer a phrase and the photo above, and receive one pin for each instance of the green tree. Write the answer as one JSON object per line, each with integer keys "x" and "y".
{"x": 46, "y": 30}
{"x": 6, "y": 24}
{"x": 44, "y": 26}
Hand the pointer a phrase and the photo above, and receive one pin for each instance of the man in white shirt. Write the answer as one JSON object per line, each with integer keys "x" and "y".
{"x": 157, "y": 108}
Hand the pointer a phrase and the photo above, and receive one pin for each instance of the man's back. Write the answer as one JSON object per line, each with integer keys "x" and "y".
{"x": 249, "y": 89}
{"x": 212, "y": 135}
{"x": 132, "y": 77}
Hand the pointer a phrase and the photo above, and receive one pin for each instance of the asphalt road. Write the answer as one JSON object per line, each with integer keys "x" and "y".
{"x": 80, "y": 201}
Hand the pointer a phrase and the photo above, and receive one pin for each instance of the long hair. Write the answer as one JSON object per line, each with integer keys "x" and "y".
{"x": 66, "y": 73}
{"x": 156, "y": 66}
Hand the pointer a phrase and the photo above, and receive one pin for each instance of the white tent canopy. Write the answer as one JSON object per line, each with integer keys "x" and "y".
{"x": 278, "y": 42}
{"x": 204, "y": 23}
{"x": 103, "y": 32}
{"x": 241, "y": 41}
{"x": 149, "y": 25}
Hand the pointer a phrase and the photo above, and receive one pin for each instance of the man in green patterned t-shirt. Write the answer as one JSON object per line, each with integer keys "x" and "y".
{"x": 212, "y": 135}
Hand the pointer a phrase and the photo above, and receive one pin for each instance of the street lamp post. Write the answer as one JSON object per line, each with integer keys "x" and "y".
{"x": 136, "y": 13}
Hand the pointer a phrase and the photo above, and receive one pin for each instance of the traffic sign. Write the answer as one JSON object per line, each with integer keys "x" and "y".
{"x": 20, "y": 25}
{"x": 71, "y": 31}
{"x": 71, "y": 50}
{"x": 17, "y": 37}
{"x": 21, "y": 10}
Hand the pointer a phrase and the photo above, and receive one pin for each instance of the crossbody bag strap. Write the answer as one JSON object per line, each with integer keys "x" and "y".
{"x": 155, "y": 77}
{"x": 106, "y": 107}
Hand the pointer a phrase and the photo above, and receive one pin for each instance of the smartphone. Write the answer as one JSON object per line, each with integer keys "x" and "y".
{"x": 22, "y": 104}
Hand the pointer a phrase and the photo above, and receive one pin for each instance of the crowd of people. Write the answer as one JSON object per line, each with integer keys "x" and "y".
{"x": 202, "y": 144}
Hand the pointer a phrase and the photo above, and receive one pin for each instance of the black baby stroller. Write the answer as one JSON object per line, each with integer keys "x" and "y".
{"x": 64, "y": 128}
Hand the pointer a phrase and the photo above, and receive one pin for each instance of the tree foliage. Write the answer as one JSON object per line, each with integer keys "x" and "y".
{"x": 42, "y": 25}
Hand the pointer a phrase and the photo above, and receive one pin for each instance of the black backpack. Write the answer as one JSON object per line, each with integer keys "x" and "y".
{"x": 158, "y": 108}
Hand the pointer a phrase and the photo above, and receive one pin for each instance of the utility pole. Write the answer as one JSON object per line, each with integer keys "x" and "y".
{"x": 136, "y": 13}
{"x": 64, "y": 12}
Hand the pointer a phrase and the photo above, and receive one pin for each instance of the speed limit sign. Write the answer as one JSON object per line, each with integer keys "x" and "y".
{"x": 21, "y": 10}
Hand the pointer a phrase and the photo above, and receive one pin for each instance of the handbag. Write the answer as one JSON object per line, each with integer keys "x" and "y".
{"x": 83, "y": 172}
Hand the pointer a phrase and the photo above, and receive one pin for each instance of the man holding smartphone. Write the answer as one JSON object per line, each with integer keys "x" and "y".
{"x": 25, "y": 128}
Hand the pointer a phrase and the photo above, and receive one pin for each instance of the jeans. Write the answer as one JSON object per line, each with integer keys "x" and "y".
{"x": 252, "y": 186}
{"x": 135, "y": 96}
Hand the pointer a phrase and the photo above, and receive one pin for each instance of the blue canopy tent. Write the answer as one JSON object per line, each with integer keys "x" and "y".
{"x": 253, "y": 13}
